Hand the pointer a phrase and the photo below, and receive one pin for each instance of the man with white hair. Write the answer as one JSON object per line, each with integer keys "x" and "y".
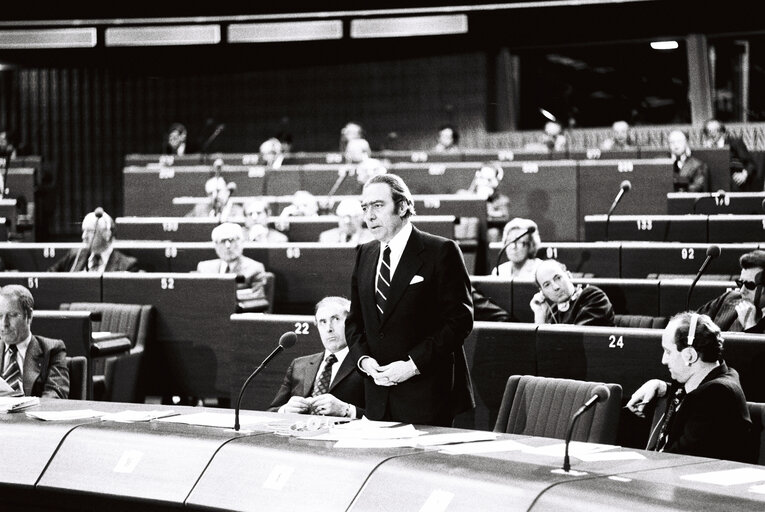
{"x": 250, "y": 293}
{"x": 96, "y": 254}
{"x": 620, "y": 138}
{"x": 350, "y": 225}
{"x": 219, "y": 203}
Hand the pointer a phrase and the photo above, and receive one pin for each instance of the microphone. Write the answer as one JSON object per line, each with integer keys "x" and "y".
{"x": 529, "y": 231}
{"x": 286, "y": 340}
{"x": 720, "y": 193}
{"x": 713, "y": 251}
{"x": 98, "y": 212}
{"x": 599, "y": 394}
{"x": 342, "y": 175}
{"x": 626, "y": 186}
{"x": 212, "y": 137}
{"x": 763, "y": 205}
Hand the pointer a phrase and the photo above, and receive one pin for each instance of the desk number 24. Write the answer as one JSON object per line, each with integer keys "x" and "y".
{"x": 615, "y": 341}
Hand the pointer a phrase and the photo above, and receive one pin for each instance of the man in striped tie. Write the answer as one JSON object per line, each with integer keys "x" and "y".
{"x": 31, "y": 365}
{"x": 411, "y": 310}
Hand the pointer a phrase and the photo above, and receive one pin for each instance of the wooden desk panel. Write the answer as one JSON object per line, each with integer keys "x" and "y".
{"x": 714, "y": 203}
{"x": 736, "y": 228}
{"x": 601, "y": 259}
{"x": 641, "y": 259}
{"x": 50, "y": 290}
{"x": 653, "y": 228}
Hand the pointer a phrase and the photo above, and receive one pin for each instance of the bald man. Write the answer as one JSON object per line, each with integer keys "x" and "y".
{"x": 96, "y": 253}
{"x": 350, "y": 225}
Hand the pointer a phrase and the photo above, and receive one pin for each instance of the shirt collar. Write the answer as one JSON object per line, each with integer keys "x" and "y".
{"x": 397, "y": 244}
{"x": 340, "y": 354}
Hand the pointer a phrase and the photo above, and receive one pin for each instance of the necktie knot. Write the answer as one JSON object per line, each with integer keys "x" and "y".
{"x": 330, "y": 360}
{"x": 95, "y": 262}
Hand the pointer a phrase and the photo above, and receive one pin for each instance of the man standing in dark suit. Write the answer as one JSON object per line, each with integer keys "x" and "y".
{"x": 96, "y": 254}
{"x": 326, "y": 383}
{"x": 31, "y": 365}
{"x": 411, "y": 310}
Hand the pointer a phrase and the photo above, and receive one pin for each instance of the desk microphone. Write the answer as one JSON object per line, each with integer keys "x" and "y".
{"x": 98, "y": 212}
{"x": 599, "y": 394}
{"x": 342, "y": 175}
{"x": 626, "y": 186}
{"x": 713, "y": 251}
{"x": 210, "y": 139}
{"x": 529, "y": 231}
{"x": 720, "y": 193}
{"x": 286, "y": 340}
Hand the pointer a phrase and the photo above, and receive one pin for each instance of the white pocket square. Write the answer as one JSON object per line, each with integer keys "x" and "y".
{"x": 416, "y": 279}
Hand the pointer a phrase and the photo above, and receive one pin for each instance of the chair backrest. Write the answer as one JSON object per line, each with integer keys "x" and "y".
{"x": 270, "y": 290}
{"x": 134, "y": 320}
{"x": 78, "y": 377}
{"x": 757, "y": 413}
{"x": 644, "y": 321}
{"x": 543, "y": 406}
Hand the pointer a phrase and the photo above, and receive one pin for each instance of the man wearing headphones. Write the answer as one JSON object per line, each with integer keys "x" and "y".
{"x": 706, "y": 413}
{"x": 743, "y": 170}
{"x": 741, "y": 310}
{"x": 96, "y": 253}
{"x": 559, "y": 301}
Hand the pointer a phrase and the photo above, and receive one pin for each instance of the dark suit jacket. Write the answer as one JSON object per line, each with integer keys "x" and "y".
{"x": 740, "y": 158}
{"x": 427, "y": 320}
{"x": 693, "y": 177}
{"x": 348, "y": 384}
{"x": 45, "y": 370}
{"x": 713, "y": 420}
{"x": 118, "y": 262}
{"x": 722, "y": 311}
{"x": 591, "y": 307}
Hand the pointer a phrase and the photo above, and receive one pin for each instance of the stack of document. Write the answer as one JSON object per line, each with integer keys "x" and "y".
{"x": 17, "y": 403}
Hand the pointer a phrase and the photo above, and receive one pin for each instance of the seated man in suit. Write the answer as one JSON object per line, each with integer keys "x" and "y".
{"x": 31, "y": 365}
{"x": 256, "y": 214}
{"x": 690, "y": 173}
{"x": 328, "y": 382}
{"x": 272, "y": 153}
{"x": 713, "y": 420}
{"x": 743, "y": 169}
{"x": 620, "y": 138}
{"x": 559, "y": 301}
{"x": 219, "y": 204}
{"x": 350, "y": 225}
{"x": 250, "y": 293}
{"x": 96, "y": 253}
{"x": 742, "y": 310}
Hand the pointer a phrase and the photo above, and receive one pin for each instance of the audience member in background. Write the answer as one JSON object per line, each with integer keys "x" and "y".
{"x": 96, "y": 254}
{"x": 256, "y": 214}
{"x": 690, "y": 173}
{"x": 706, "y": 413}
{"x": 350, "y": 131}
{"x": 356, "y": 151}
{"x": 485, "y": 183}
{"x": 218, "y": 204}
{"x": 522, "y": 254}
{"x": 328, "y": 382}
{"x": 7, "y": 148}
{"x": 272, "y": 153}
{"x": 228, "y": 239}
{"x": 620, "y": 138}
{"x": 553, "y": 139}
{"x": 31, "y": 365}
{"x": 559, "y": 301}
{"x": 304, "y": 204}
{"x": 448, "y": 140}
{"x": 350, "y": 225}
{"x": 743, "y": 169}
{"x": 175, "y": 140}
{"x": 742, "y": 310}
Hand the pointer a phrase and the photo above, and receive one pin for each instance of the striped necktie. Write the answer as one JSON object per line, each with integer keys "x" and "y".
{"x": 12, "y": 372}
{"x": 383, "y": 282}
{"x": 322, "y": 383}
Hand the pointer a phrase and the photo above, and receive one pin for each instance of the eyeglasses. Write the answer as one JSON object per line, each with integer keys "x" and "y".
{"x": 525, "y": 243}
{"x": 227, "y": 241}
{"x": 750, "y": 285}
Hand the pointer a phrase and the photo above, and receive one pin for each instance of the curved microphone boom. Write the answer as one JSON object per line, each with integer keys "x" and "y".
{"x": 599, "y": 394}
{"x": 286, "y": 340}
{"x": 529, "y": 231}
{"x": 625, "y": 187}
{"x": 210, "y": 140}
{"x": 713, "y": 251}
{"x": 98, "y": 212}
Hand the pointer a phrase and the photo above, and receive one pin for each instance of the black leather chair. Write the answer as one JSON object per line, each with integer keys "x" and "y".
{"x": 544, "y": 406}
{"x": 643, "y": 321}
{"x": 78, "y": 377}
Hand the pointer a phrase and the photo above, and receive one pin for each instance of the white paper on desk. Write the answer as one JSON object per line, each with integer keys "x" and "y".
{"x": 502, "y": 445}
{"x": 729, "y": 476}
{"x": 373, "y": 443}
{"x": 459, "y": 437}
{"x": 575, "y": 449}
{"x": 6, "y": 389}
{"x": 17, "y": 403}
{"x": 78, "y": 414}
{"x": 606, "y": 456}
{"x": 211, "y": 419}
{"x": 342, "y": 434}
{"x": 759, "y": 489}
{"x": 136, "y": 416}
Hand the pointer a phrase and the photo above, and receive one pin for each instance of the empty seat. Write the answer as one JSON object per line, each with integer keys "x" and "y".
{"x": 78, "y": 377}
{"x": 642, "y": 321}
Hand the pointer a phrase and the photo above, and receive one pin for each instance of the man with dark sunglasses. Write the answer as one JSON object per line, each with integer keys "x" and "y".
{"x": 741, "y": 310}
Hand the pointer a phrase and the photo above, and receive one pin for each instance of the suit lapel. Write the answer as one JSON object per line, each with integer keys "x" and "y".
{"x": 309, "y": 373}
{"x": 348, "y": 366}
{"x": 32, "y": 363}
{"x": 407, "y": 267}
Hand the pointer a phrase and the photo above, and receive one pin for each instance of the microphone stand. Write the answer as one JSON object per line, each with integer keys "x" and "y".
{"x": 698, "y": 276}
{"x": 210, "y": 139}
{"x": 267, "y": 360}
